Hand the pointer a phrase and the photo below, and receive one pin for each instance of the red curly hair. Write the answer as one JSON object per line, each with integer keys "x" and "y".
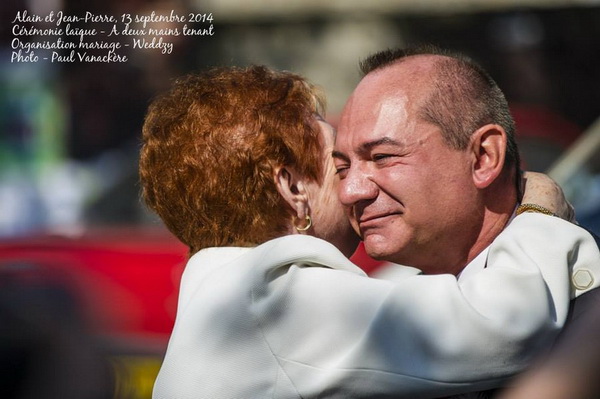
{"x": 210, "y": 146}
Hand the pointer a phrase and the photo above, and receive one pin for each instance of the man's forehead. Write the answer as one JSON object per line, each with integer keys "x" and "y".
{"x": 376, "y": 113}
{"x": 390, "y": 108}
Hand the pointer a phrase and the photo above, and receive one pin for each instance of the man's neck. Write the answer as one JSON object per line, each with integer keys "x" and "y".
{"x": 499, "y": 204}
{"x": 491, "y": 229}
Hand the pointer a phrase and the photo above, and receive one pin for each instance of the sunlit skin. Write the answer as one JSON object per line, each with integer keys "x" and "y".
{"x": 412, "y": 198}
{"x": 329, "y": 218}
{"x": 318, "y": 199}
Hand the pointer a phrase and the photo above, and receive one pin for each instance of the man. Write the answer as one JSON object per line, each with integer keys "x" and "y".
{"x": 427, "y": 159}
{"x": 428, "y": 164}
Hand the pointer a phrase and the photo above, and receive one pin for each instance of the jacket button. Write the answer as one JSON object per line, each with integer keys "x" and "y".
{"x": 582, "y": 279}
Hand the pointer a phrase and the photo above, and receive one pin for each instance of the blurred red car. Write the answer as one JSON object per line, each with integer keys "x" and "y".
{"x": 121, "y": 284}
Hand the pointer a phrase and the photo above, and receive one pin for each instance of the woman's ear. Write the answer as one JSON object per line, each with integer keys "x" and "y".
{"x": 488, "y": 145}
{"x": 292, "y": 189}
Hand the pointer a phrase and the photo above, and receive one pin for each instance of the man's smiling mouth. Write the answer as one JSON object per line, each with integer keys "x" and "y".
{"x": 371, "y": 220}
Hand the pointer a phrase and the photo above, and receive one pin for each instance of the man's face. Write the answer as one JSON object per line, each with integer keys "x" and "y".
{"x": 406, "y": 192}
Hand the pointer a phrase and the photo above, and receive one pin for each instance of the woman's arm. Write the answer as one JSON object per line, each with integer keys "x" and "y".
{"x": 427, "y": 335}
{"x": 541, "y": 190}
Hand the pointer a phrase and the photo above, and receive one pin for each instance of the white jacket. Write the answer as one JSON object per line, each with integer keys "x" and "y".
{"x": 293, "y": 318}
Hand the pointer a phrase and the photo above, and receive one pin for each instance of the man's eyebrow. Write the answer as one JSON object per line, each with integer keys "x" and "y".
{"x": 339, "y": 155}
{"x": 369, "y": 145}
{"x": 365, "y": 148}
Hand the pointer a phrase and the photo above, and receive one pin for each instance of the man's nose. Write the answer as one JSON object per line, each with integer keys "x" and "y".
{"x": 356, "y": 187}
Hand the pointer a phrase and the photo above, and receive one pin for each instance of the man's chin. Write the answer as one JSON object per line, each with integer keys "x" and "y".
{"x": 377, "y": 249}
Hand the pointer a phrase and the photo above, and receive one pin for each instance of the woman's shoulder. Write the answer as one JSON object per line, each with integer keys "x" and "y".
{"x": 304, "y": 249}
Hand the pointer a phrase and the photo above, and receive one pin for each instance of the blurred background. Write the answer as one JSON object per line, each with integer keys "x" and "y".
{"x": 75, "y": 240}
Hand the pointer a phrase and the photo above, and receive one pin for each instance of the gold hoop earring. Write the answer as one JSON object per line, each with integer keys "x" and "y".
{"x": 308, "y": 224}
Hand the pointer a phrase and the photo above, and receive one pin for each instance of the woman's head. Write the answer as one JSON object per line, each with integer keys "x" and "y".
{"x": 212, "y": 146}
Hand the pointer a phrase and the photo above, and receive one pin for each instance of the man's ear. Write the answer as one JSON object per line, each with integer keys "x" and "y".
{"x": 292, "y": 189}
{"x": 488, "y": 145}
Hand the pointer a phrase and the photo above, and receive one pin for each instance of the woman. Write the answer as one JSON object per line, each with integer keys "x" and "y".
{"x": 237, "y": 164}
